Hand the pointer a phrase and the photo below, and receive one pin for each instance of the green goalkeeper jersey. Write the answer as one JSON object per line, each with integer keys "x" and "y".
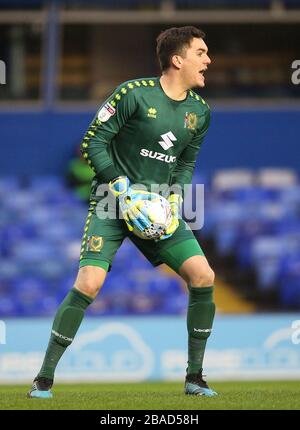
{"x": 143, "y": 134}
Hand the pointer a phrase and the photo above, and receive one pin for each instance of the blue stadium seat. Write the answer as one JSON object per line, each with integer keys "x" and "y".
{"x": 33, "y": 251}
{"x": 52, "y": 270}
{"x": 8, "y": 185}
{"x": 269, "y": 253}
{"x": 47, "y": 183}
{"x": 165, "y": 284}
{"x": 144, "y": 304}
{"x": 28, "y": 292}
{"x": 65, "y": 284}
{"x": 9, "y": 269}
{"x": 226, "y": 224}
{"x": 47, "y": 305}
{"x": 9, "y": 307}
{"x": 176, "y": 306}
{"x": 100, "y": 306}
{"x": 289, "y": 281}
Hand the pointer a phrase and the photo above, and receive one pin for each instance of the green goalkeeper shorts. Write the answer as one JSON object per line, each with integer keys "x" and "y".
{"x": 103, "y": 237}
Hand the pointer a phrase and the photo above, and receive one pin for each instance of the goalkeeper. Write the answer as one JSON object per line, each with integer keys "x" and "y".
{"x": 147, "y": 132}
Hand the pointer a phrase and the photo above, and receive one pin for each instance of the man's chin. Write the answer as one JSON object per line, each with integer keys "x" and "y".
{"x": 199, "y": 84}
{"x": 202, "y": 85}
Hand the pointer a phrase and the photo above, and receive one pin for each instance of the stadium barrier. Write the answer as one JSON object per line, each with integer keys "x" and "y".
{"x": 153, "y": 348}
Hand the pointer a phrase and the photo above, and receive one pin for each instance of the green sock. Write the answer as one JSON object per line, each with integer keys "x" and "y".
{"x": 66, "y": 323}
{"x": 200, "y": 315}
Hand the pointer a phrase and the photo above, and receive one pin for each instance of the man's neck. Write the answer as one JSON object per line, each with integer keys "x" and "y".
{"x": 173, "y": 87}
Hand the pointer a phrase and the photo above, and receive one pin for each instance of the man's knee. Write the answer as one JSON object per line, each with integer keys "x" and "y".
{"x": 202, "y": 278}
{"x": 197, "y": 272}
{"x": 90, "y": 279}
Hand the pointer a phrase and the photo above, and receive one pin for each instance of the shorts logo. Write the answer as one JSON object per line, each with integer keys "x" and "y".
{"x": 94, "y": 243}
{"x": 106, "y": 112}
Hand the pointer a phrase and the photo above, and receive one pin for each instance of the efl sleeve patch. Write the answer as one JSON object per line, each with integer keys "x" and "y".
{"x": 106, "y": 112}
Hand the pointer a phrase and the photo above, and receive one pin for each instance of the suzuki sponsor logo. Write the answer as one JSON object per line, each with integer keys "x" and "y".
{"x": 167, "y": 139}
{"x": 158, "y": 156}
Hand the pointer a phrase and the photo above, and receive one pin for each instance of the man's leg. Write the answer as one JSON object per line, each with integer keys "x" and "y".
{"x": 201, "y": 309}
{"x": 188, "y": 260}
{"x": 66, "y": 323}
{"x": 100, "y": 242}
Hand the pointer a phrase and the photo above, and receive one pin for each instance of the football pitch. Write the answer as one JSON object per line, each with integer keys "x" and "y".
{"x": 157, "y": 396}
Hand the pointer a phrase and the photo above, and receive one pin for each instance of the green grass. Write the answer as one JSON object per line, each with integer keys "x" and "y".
{"x": 157, "y": 395}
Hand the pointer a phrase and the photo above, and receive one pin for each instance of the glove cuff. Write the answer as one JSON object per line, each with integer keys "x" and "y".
{"x": 176, "y": 198}
{"x": 119, "y": 186}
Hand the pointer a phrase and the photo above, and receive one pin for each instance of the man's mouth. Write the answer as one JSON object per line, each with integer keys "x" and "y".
{"x": 202, "y": 71}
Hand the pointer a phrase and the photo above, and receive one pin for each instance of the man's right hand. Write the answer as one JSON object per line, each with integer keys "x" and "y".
{"x": 129, "y": 201}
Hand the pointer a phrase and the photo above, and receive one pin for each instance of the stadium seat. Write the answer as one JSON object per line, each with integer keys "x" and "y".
{"x": 47, "y": 306}
{"x": 9, "y": 307}
{"x": 277, "y": 178}
{"x": 229, "y": 179}
{"x": 268, "y": 254}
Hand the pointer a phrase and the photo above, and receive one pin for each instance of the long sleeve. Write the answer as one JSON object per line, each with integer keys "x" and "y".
{"x": 184, "y": 169}
{"x": 110, "y": 118}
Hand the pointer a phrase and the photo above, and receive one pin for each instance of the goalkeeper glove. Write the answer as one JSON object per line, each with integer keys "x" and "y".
{"x": 129, "y": 201}
{"x": 175, "y": 201}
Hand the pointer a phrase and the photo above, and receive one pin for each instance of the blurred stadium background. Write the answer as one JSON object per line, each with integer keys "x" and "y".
{"x": 62, "y": 58}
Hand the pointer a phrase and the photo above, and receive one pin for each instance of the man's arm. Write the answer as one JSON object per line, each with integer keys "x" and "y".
{"x": 184, "y": 169}
{"x": 111, "y": 117}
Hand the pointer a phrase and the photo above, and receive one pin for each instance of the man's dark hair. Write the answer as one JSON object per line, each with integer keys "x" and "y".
{"x": 174, "y": 41}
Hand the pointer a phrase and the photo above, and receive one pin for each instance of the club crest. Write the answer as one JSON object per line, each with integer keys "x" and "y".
{"x": 94, "y": 243}
{"x": 190, "y": 121}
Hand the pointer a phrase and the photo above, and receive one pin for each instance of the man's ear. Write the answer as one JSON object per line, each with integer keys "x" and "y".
{"x": 177, "y": 61}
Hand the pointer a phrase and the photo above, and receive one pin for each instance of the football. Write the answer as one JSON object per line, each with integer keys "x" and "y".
{"x": 158, "y": 209}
